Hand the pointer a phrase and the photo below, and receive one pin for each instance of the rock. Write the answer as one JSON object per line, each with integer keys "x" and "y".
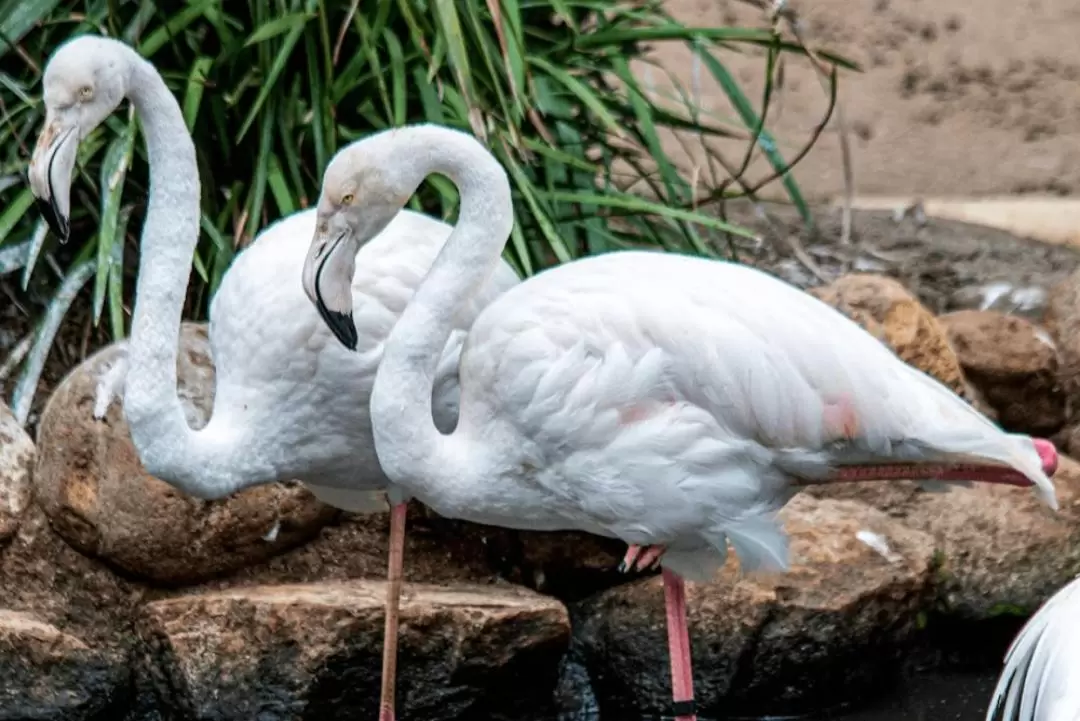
{"x": 356, "y": 546}
{"x": 770, "y": 643}
{"x": 313, "y": 651}
{"x": 1001, "y": 550}
{"x": 48, "y": 674}
{"x": 16, "y": 461}
{"x": 564, "y": 564}
{"x": 1014, "y": 364}
{"x": 1025, "y": 300}
{"x": 1062, "y": 320}
{"x": 888, "y": 311}
{"x": 65, "y": 630}
{"x": 98, "y": 497}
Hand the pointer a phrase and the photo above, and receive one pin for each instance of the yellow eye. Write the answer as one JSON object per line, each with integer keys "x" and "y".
{"x": 347, "y": 199}
{"x": 85, "y": 93}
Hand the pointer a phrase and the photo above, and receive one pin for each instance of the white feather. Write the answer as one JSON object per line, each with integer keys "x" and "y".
{"x": 1041, "y": 677}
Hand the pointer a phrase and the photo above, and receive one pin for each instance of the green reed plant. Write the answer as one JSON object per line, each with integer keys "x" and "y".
{"x": 270, "y": 89}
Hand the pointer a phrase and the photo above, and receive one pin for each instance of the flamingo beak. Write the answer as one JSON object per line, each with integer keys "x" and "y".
{"x": 50, "y": 173}
{"x": 327, "y": 279}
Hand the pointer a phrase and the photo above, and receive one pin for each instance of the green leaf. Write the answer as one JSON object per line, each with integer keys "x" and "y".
{"x": 196, "y": 83}
{"x": 585, "y": 94}
{"x": 14, "y": 212}
{"x": 636, "y": 204}
{"x": 280, "y": 59}
{"x": 113, "y": 173}
{"x": 278, "y": 26}
{"x": 157, "y": 39}
{"x": 116, "y": 276}
{"x": 279, "y": 188}
{"x": 750, "y": 117}
{"x": 19, "y": 17}
{"x": 23, "y": 396}
{"x": 398, "y": 95}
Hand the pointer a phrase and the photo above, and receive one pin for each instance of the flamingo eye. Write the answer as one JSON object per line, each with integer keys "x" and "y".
{"x": 347, "y": 199}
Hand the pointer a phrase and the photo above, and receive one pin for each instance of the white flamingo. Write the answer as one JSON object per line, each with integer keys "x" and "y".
{"x": 289, "y": 401}
{"x": 1041, "y": 678}
{"x": 670, "y": 401}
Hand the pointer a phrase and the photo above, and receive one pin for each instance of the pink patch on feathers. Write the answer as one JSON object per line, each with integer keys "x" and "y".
{"x": 840, "y": 420}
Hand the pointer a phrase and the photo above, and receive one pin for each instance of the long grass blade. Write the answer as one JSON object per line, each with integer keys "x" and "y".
{"x": 22, "y": 397}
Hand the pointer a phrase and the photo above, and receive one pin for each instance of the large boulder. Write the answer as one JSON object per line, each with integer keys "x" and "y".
{"x": 770, "y": 643}
{"x": 1001, "y": 550}
{"x": 16, "y": 463}
{"x": 93, "y": 487}
{"x": 313, "y": 651}
{"x": 1014, "y": 364}
{"x": 889, "y": 312}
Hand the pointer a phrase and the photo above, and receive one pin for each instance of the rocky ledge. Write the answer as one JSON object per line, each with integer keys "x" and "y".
{"x": 122, "y": 599}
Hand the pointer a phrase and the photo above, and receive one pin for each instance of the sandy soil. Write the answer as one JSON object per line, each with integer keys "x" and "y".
{"x": 956, "y": 98}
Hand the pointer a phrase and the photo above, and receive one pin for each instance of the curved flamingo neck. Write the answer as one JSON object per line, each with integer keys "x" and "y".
{"x": 410, "y": 448}
{"x": 168, "y": 447}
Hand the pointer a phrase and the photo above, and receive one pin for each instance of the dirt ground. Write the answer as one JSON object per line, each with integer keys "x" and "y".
{"x": 956, "y": 98}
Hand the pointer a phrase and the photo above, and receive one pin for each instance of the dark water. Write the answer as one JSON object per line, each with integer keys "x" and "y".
{"x": 951, "y": 696}
{"x": 930, "y": 696}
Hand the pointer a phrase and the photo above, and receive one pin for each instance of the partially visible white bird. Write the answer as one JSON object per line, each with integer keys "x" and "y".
{"x": 670, "y": 401}
{"x": 289, "y": 401}
{"x": 1041, "y": 679}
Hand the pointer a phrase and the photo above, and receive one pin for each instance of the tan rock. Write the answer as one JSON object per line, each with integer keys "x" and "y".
{"x": 1000, "y": 548}
{"x": 1014, "y": 364}
{"x": 16, "y": 462}
{"x": 892, "y": 314}
{"x": 50, "y": 674}
{"x": 313, "y": 651}
{"x": 775, "y": 643}
{"x": 92, "y": 485}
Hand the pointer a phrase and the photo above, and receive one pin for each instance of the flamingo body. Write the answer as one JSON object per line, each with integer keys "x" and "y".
{"x": 677, "y": 401}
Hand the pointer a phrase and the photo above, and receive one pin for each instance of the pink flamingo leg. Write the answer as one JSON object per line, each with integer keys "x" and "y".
{"x": 393, "y": 598}
{"x": 682, "y": 679}
{"x": 640, "y": 557}
{"x": 650, "y": 557}
{"x": 632, "y": 552}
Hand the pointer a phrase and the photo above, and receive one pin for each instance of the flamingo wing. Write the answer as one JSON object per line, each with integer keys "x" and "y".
{"x": 657, "y": 391}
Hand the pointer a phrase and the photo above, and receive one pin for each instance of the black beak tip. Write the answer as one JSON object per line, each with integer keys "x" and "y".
{"x": 343, "y": 327}
{"x": 56, "y": 222}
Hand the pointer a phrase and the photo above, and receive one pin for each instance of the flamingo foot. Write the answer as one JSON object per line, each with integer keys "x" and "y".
{"x": 641, "y": 558}
{"x": 682, "y": 677}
